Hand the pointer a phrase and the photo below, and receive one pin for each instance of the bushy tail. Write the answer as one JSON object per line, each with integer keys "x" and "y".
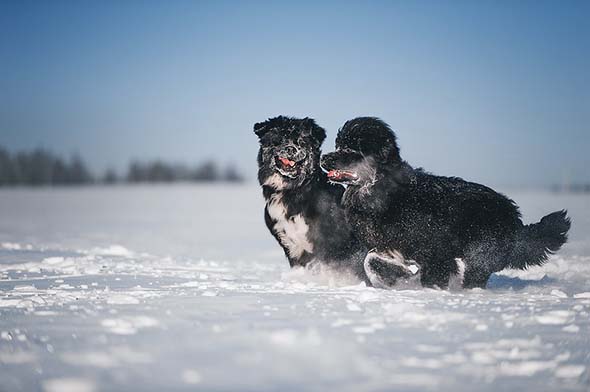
{"x": 537, "y": 241}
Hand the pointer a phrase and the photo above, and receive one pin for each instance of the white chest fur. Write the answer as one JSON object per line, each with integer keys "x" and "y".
{"x": 291, "y": 230}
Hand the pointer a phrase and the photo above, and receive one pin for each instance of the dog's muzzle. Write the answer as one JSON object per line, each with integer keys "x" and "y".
{"x": 288, "y": 160}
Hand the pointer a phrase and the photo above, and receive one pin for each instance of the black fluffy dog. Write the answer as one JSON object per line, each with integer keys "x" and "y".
{"x": 303, "y": 210}
{"x": 427, "y": 227}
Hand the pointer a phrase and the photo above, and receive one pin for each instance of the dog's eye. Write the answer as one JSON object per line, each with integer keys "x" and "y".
{"x": 303, "y": 142}
{"x": 271, "y": 140}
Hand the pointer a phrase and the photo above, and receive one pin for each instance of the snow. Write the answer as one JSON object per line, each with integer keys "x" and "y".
{"x": 191, "y": 376}
{"x": 69, "y": 385}
{"x": 182, "y": 287}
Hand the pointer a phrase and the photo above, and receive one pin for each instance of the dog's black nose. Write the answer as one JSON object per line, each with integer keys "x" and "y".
{"x": 292, "y": 153}
{"x": 290, "y": 150}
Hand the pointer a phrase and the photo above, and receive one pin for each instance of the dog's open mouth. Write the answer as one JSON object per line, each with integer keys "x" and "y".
{"x": 345, "y": 176}
{"x": 287, "y": 167}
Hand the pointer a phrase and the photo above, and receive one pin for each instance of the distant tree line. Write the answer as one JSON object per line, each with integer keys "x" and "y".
{"x": 158, "y": 171}
{"x": 42, "y": 167}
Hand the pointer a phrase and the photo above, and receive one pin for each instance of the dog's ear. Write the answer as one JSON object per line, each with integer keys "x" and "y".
{"x": 317, "y": 132}
{"x": 387, "y": 153}
{"x": 380, "y": 140}
{"x": 261, "y": 128}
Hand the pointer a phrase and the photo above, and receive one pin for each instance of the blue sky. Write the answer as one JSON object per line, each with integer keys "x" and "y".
{"x": 495, "y": 91}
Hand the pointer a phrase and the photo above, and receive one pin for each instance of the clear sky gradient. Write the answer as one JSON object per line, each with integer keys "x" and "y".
{"x": 495, "y": 91}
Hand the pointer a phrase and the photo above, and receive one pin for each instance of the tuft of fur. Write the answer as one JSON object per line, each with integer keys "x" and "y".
{"x": 537, "y": 241}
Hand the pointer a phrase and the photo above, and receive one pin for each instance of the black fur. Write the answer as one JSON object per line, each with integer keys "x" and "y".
{"x": 305, "y": 193}
{"x": 432, "y": 219}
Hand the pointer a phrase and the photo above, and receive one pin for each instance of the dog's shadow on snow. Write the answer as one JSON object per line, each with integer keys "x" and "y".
{"x": 501, "y": 282}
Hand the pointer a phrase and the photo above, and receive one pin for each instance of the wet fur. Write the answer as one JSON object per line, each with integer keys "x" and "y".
{"x": 303, "y": 212}
{"x": 433, "y": 219}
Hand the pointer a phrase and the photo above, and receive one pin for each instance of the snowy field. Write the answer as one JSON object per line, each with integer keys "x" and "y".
{"x": 182, "y": 288}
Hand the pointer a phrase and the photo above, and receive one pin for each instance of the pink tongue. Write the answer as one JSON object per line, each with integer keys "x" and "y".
{"x": 287, "y": 162}
{"x": 339, "y": 175}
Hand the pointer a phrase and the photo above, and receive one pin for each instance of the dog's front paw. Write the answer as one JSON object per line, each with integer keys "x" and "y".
{"x": 387, "y": 269}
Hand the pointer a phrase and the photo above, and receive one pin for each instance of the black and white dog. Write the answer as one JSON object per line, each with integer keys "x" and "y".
{"x": 427, "y": 227}
{"x": 303, "y": 210}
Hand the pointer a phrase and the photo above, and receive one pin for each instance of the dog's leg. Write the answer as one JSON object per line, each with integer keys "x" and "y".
{"x": 438, "y": 274}
{"x": 457, "y": 279}
{"x": 480, "y": 262}
{"x": 475, "y": 277}
{"x": 386, "y": 269}
{"x": 300, "y": 261}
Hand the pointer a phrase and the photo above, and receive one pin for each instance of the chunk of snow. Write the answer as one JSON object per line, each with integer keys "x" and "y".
{"x": 554, "y": 317}
{"x": 129, "y": 325}
{"x": 558, "y": 293}
{"x": 69, "y": 385}
{"x": 569, "y": 371}
{"x": 9, "y": 303}
{"x": 352, "y": 307}
{"x": 193, "y": 283}
{"x": 526, "y": 368}
{"x": 571, "y": 328}
{"x": 53, "y": 261}
{"x": 46, "y": 313}
{"x": 113, "y": 250}
{"x": 15, "y": 246}
{"x": 121, "y": 299}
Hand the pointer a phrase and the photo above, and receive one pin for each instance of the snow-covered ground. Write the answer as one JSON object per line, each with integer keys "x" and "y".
{"x": 172, "y": 288}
